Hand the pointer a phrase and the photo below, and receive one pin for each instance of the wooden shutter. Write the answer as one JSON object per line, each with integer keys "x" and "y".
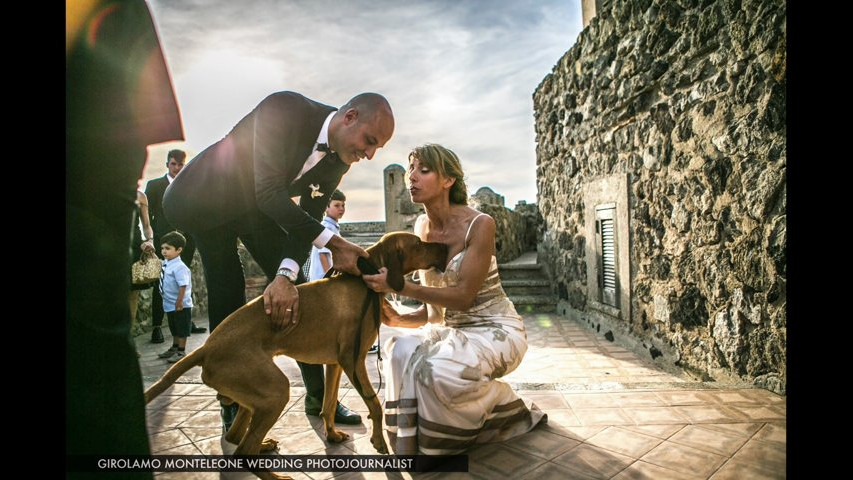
{"x": 605, "y": 232}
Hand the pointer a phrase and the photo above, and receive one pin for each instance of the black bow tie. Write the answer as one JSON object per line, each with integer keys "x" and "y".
{"x": 322, "y": 147}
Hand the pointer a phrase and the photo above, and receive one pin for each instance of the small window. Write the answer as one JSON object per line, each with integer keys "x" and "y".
{"x": 605, "y": 233}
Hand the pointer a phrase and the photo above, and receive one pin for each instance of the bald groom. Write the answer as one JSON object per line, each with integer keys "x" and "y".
{"x": 242, "y": 187}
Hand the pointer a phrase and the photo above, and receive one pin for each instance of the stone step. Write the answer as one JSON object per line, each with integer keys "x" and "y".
{"x": 509, "y": 271}
{"x": 526, "y": 286}
{"x": 530, "y": 257}
{"x": 534, "y": 303}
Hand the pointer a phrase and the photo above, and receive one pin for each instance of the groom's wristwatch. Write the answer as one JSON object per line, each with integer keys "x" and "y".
{"x": 287, "y": 273}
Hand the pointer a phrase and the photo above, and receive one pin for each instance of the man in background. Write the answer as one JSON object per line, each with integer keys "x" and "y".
{"x": 175, "y": 160}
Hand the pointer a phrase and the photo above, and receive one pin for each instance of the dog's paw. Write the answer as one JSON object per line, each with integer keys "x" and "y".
{"x": 268, "y": 445}
{"x": 379, "y": 444}
{"x": 336, "y": 436}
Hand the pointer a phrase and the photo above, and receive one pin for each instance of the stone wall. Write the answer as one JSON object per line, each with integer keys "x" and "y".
{"x": 348, "y": 228}
{"x": 510, "y": 226}
{"x": 533, "y": 225}
{"x": 686, "y": 100}
{"x": 487, "y": 195}
{"x": 400, "y": 211}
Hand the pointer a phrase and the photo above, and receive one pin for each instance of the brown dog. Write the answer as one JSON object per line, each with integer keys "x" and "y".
{"x": 337, "y": 324}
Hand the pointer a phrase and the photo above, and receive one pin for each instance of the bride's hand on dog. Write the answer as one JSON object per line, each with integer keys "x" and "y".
{"x": 281, "y": 302}
{"x": 379, "y": 282}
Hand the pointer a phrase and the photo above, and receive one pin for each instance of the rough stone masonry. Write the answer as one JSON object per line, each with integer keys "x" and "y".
{"x": 686, "y": 99}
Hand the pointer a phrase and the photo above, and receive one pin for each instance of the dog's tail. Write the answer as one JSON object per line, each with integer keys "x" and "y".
{"x": 171, "y": 376}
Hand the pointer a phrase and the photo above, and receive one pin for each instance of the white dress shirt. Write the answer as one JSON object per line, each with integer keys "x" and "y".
{"x": 312, "y": 160}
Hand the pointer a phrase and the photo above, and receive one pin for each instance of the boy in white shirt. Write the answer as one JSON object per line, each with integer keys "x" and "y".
{"x": 176, "y": 290}
{"x": 321, "y": 258}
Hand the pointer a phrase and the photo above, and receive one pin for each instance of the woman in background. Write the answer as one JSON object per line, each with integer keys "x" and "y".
{"x": 144, "y": 245}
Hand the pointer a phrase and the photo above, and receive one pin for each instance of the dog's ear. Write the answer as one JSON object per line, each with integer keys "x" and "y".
{"x": 394, "y": 264}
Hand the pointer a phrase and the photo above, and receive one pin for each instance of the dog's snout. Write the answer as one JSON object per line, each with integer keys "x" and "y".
{"x": 411, "y": 253}
{"x": 439, "y": 255}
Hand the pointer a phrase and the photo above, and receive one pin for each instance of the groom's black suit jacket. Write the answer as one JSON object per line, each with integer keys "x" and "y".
{"x": 252, "y": 169}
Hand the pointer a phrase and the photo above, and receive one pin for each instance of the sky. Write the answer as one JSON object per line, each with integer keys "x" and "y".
{"x": 457, "y": 73}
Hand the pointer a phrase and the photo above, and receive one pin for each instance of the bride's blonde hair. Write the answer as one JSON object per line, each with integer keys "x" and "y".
{"x": 444, "y": 162}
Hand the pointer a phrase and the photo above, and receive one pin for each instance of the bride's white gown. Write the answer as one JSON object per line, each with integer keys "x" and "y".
{"x": 444, "y": 391}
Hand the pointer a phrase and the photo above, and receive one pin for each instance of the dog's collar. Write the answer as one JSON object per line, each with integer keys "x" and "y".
{"x": 364, "y": 265}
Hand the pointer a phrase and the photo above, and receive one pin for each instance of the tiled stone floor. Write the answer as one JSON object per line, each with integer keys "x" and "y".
{"x": 612, "y": 414}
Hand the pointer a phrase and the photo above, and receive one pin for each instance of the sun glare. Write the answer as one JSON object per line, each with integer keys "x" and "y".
{"x": 219, "y": 88}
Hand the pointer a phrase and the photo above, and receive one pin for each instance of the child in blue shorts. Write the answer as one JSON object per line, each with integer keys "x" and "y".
{"x": 176, "y": 290}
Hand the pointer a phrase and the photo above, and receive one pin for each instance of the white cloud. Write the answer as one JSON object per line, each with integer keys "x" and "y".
{"x": 457, "y": 73}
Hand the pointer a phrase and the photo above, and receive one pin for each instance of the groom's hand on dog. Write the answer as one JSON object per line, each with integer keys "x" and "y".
{"x": 345, "y": 254}
{"x": 281, "y": 302}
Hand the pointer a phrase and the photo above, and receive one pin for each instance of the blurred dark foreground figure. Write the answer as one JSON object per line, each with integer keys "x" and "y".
{"x": 118, "y": 99}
